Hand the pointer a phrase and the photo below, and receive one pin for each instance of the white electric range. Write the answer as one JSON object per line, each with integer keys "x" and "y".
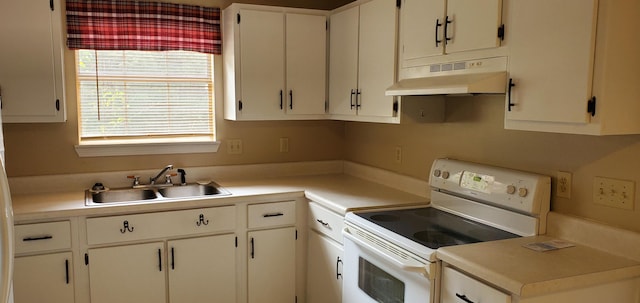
{"x": 390, "y": 254}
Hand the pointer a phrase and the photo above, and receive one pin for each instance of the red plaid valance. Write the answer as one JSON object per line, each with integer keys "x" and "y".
{"x": 133, "y": 25}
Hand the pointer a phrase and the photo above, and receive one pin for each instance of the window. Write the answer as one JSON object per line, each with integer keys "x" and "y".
{"x": 144, "y": 94}
{"x": 145, "y": 97}
{"x": 144, "y": 75}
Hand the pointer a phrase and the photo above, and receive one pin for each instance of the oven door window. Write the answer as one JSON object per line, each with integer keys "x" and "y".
{"x": 378, "y": 284}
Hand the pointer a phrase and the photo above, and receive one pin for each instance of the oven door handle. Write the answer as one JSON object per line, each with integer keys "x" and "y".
{"x": 405, "y": 264}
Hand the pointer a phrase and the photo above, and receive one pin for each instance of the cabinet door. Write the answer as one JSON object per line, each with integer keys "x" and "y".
{"x": 343, "y": 61}
{"x": 324, "y": 269}
{"x": 262, "y": 64}
{"x": 377, "y": 57}
{"x": 306, "y": 47}
{"x": 272, "y": 272}
{"x": 128, "y": 274}
{"x": 422, "y": 28}
{"x": 202, "y": 269}
{"x": 31, "y": 76}
{"x": 551, "y": 62}
{"x": 474, "y": 24}
{"x": 44, "y": 278}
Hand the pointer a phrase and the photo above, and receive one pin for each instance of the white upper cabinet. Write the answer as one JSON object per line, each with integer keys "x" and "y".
{"x": 261, "y": 63}
{"x": 31, "y": 62}
{"x": 362, "y": 62}
{"x": 275, "y": 63}
{"x": 436, "y": 27}
{"x": 306, "y": 52}
{"x": 576, "y": 72}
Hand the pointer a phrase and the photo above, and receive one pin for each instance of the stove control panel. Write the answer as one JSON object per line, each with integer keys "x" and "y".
{"x": 520, "y": 191}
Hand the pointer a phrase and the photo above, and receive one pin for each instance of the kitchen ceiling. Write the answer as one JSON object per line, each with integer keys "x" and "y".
{"x": 314, "y": 4}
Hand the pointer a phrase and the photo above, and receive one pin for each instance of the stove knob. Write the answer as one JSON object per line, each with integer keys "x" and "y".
{"x": 436, "y": 173}
{"x": 511, "y": 189}
{"x": 445, "y": 174}
{"x": 522, "y": 192}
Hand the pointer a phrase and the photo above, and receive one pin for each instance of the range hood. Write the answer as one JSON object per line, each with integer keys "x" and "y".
{"x": 483, "y": 76}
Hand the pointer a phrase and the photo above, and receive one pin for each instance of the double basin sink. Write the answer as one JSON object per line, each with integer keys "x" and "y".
{"x": 125, "y": 195}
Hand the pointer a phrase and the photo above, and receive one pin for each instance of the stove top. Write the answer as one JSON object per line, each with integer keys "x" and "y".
{"x": 434, "y": 228}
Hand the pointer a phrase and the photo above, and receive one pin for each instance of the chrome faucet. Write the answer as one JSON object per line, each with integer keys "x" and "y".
{"x": 164, "y": 170}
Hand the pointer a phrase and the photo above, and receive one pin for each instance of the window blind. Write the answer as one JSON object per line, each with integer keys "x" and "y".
{"x": 125, "y": 94}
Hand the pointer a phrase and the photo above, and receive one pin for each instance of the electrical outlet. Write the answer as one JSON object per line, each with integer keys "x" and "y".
{"x": 563, "y": 186}
{"x": 234, "y": 147}
{"x": 284, "y": 145}
{"x": 614, "y": 193}
{"x": 398, "y": 155}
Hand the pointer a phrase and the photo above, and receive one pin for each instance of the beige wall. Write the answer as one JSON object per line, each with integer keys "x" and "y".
{"x": 473, "y": 131}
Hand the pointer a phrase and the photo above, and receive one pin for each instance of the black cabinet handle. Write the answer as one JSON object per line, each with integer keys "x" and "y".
{"x": 252, "y": 249}
{"x": 509, "y": 103}
{"x": 358, "y": 101}
{"x": 66, "y": 269}
{"x": 281, "y": 100}
{"x": 37, "y": 238}
{"x": 291, "y": 99}
{"x": 173, "y": 261}
{"x": 202, "y": 221}
{"x": 325, "y": 224}
{"x": 463, "y": 298}
{"x": 338, "y": 274}
{"x": 125, "y": 227}
{"x": 160, "y": 259}
{"x": 446, "y": 28}
{"x": 438, "y": 24}
{"x": 353, "y": 92}
{"x": 273, "y": 215}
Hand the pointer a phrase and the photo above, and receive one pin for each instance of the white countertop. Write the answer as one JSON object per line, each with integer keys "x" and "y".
{"x": 526, "y": 273}
{"x": 338, "y": 192}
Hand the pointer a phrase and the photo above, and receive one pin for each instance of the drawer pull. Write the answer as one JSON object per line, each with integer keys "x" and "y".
{"x": 125, "y": 227}
{"x": 273, "y": 215}
{"x": 37, "y": 238}
{"x": 202, "y": 221}
{"x": 338, "y": 274}
{"x": 325, "y": 224}
{"x": 463, "y": 298}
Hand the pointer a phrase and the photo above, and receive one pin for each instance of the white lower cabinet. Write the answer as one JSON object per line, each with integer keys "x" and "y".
{"x": 43, "y": 266}
{"x": 202, "y": 269}
{"x": 324, "y": 269}
{"x": 325, "y": 253}
{"x": 272, "y": 265}
{"x": 130, "y": 273}
{"x": 44, "y": 278}
{"x": 457, "y": 287}
{"x": 197, "y": 269}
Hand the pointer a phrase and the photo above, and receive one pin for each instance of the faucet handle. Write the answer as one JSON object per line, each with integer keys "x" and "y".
{"x": 136, "y": 180}
{"x": 168, "y": 178}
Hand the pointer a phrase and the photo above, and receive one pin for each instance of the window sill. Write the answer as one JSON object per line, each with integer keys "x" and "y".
{"x": 141, "y": 147}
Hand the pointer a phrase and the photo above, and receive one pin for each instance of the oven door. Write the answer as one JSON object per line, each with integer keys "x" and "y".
{"x": 376, "y": 271}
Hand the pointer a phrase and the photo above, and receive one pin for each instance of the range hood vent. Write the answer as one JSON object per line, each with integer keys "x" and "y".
{"x": 484, "y": 76}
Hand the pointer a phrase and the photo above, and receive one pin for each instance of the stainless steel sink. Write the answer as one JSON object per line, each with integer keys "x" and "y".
{"x": 122, "y": 195}
{"x": 192, "y": 190}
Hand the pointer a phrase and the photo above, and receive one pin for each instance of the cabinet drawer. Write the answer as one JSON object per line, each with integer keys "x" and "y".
{"x": 456, "y": 287}
{"x": 160, "y": 225}
{"x": 326, "y": 221}
{"x": 42, "y": 237}
{"x": 272, "y": 214}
